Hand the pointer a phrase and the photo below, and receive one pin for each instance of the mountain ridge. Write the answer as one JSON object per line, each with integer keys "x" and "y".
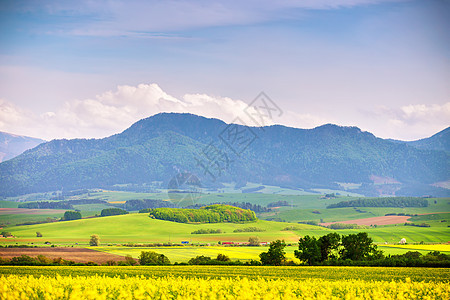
{"x": 12, "y": 145}
{"x": 155, "y": 148}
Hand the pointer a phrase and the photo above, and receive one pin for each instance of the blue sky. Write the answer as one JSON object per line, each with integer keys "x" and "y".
{"x": 92, "y": 68}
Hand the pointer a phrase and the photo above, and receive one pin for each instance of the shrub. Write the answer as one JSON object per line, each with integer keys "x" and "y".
{"x": 152, "y": 258}
{"x": 253, "y": 241}
{"x": 95, "y": 240}
{"x": 38, "y": 234}
{"x": 206, "y": 231}
{"x": 249, "y": 229}
{"x": 113, "y": 212}
{"x": 71, "y": 215}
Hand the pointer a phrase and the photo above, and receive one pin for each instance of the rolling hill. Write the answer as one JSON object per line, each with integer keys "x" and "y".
{"x": 12, "y": 145}
{"x": 155, "y": 149}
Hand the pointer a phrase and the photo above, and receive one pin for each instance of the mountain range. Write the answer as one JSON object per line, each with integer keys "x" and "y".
{"x": 154, "y": 150}
{"x": 12, "y": 145}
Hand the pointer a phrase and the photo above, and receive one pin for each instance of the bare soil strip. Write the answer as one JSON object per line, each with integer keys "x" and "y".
{"x": 80, "y": 255}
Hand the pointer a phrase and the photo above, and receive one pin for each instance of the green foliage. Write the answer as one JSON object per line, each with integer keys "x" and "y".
{"x": 95, "y": 240}
{"x": 249, "y": 229}
{"x": 200, "y": 260}
{"x": 216, "y": 213}
{"x": 346, "y": 226}
{"x": 383, "y": 202}
{"x": 253, "y": 241}
{"x": 222, "y": 257}
{"x": 308, "y": 250}
{"x": 327, "y": 244}
{"x": 113, "y": 212}
{"x": 359, "y": 247}
{"x": 206, "y": 231}
{"x": 278, "y": 203}
{"x": 5, "y": 233}
{"x": 276, "y": 256}
{"x": 152, "y": 258}
{"x": 71, "y": 215}
{"x": 324, "y": 155}
{"x": 46, "y": 205}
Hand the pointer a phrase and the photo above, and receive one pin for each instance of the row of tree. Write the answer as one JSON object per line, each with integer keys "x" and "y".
{"x": 216, "y": 213}
{"x": 353, "y": 249}
{"x": 383, "y": 202}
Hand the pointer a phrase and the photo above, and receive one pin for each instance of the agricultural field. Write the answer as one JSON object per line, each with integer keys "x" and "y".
{"x": 139, "y": 228}
{"x": 187, "y": 282}
{"x": 182, "y": 254}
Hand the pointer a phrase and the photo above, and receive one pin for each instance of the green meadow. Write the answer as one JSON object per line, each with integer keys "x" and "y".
{"x": 139, "y": 228}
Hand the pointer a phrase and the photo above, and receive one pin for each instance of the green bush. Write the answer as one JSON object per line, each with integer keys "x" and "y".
{"x": 113, "y": 212}
{"x": 71, "y": 215}
{"x": 147, "y": 258}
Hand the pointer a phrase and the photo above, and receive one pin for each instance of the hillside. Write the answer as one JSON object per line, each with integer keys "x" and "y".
{"x": 12, "y": 145}
{"x": 439, "y": 141}
{"x": 155, "y": 148}
{"x": 140, "y": 228}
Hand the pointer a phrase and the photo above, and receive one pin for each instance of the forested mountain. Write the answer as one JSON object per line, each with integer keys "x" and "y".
{"x": 158, "y": 147}
{"x": 12, "y": 145}
{"x": 439, "y": 141}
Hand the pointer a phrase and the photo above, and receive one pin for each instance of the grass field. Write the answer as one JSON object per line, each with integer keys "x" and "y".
{"x": 303, "y": 213}
{"x": 139, "y": 228}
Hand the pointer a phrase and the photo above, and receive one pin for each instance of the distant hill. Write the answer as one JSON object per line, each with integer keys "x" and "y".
{"x": 157, "y": 148}
{"x": 439, "y": 141}
{"x": 12, "y": 145}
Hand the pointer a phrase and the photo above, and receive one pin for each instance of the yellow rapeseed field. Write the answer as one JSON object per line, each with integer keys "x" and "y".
{"x": 170, "y": 287}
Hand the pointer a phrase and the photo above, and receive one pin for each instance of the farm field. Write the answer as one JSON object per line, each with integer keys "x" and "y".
{"x": 243, "y": 253}
{"x": 180, "y": 282}
{"x": 78, "y": 255}
{"x": 444, "y": 248}
{"x": 139, "y": 228}
{"x": 321, "y": 214}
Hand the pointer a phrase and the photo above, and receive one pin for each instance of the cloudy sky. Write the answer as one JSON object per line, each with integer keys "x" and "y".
{"x": 92, "y": 68}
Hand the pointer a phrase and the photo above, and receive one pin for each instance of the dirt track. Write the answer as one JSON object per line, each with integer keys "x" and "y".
{"x": 75, "y": 254}
{"x": 385, "y": 220}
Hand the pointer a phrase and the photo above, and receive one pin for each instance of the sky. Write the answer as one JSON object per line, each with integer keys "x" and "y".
{"x": 90, "y": 69}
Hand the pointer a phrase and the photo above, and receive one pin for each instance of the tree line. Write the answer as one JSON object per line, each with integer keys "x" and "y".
{"x": 216, "y": 213}
{"x": 382, "y": 202}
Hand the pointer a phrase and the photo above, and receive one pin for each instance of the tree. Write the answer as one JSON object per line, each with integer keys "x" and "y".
{"x": 130, "y": 260}
{"x": 113, "y": 212}
{"x": 253, "y": 241}
{"x": 200, "y": 260}
{"x": 152, "y": 258}
{"x": 308, "y": 250}
{"x": 222, "y": 257}
{"x": 71, "y": 215}
{"x": 276, "y": 256}
{"x": 359, "y": 247}
{"x": 38, "y": 234}
{"x": 327, "y": 244}
{"x": 95, "y": 240}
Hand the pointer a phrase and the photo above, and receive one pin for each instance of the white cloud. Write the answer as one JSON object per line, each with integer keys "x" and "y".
{"x": 410, "y": 122}
{"x": 113, "y": 111}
